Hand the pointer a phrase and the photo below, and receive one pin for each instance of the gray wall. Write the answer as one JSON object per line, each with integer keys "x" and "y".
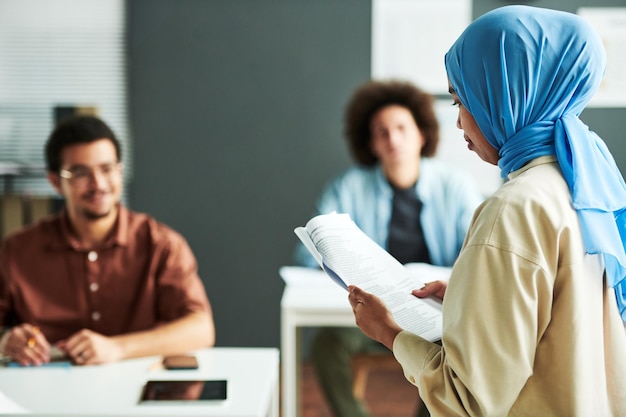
{"x": 235, "y": 110}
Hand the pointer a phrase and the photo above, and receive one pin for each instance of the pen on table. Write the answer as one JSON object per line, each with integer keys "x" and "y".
{"x": 31, "y": 340}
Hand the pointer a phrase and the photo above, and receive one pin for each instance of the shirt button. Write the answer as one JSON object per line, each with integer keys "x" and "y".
{"x": 94, "y": 286}
{"x": 412, "y": 379}
{"x": 95, "y": 316}
{"x": 92, "y": 256}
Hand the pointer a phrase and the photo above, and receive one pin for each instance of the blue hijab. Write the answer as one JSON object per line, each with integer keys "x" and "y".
{"x": 526, "y": 74}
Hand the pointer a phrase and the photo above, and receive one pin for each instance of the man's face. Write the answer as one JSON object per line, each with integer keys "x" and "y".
{"x": 90, "y": 179}
{"x": 396, "y": 138}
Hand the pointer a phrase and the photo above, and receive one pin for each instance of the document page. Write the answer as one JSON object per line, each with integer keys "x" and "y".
{"x": 351, "y": 258}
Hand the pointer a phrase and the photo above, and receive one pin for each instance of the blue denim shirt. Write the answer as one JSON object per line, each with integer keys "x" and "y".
{"x": 449, "y": 198}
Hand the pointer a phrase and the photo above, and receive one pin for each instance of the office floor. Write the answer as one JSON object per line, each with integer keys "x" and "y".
{"x": 388, "y": 394}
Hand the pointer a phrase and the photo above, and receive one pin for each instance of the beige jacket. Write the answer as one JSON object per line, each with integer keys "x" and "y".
{"x": 530, "y": 329}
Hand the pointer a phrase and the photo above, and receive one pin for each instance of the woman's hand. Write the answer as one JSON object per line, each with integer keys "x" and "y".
{"x": 372, "y": 317}
{"x": 434, "y": 288}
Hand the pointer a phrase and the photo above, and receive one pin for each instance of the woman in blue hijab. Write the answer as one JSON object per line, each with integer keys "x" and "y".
{"x": 531, "y": 315}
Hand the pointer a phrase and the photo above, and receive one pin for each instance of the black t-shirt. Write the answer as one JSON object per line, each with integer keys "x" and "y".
{"x": 406, "y": 238}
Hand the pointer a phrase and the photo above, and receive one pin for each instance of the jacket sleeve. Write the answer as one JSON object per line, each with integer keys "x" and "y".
{"x": 491, "y": 322}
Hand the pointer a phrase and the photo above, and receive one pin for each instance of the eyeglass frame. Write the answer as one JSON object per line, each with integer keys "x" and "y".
{"x": 76, "y": 174}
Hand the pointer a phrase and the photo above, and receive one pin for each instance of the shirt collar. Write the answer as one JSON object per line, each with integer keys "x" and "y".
{"x": 381, "y": 181}
{"x": 117, "y": 237}
{"x": 421, "y": 186}
{"x": 548, "y": 159}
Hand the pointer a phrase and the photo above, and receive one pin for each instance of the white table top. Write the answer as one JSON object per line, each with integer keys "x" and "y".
{"x": 312, "y": 298}
{"x": 114, "y": 389}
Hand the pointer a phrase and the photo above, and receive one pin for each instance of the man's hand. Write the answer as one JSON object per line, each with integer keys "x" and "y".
{"x": 89, "y": 348}
{"x": 435, "y": 288}
{"x": 193, "y": 331}
{"x": 372, "y": 317}
{"x": 26, "y": 345}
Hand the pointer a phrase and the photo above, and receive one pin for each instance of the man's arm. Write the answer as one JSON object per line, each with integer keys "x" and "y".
{"x": 193, "y": 331}
{"x": 23, "y": 343}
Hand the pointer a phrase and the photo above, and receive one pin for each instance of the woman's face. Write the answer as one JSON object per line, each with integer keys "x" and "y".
{"x": 473, "y": 136}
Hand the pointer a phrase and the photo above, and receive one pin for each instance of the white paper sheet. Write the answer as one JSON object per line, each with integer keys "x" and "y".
{"x": 410, "y": 39}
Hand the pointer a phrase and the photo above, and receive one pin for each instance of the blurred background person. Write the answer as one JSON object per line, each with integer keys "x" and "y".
{"x": 415, "y": 207}
{"x": 97, "y": 281}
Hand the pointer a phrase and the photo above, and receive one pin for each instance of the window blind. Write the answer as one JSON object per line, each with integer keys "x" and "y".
{"x": 57, "y": 53}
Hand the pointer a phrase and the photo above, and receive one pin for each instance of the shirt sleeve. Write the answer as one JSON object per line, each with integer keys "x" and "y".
{"x": 468, "y": 198}
{"x": 180, "y": 289}
{"x": 5, "y": 299}
{"x": 450, "y": 198}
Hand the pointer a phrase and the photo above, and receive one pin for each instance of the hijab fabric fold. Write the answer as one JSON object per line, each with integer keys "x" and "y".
{"x": 526, "y": 74}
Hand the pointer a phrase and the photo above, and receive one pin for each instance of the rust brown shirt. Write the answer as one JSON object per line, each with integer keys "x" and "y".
{"x": 144, "y": 274}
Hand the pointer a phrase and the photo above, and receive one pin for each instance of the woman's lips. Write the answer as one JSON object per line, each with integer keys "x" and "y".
{"x": 469, "y": 142}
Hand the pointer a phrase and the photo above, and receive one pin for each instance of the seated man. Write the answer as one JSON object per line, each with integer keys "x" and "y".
{"x": 97, "y": 281}
{"x": 417, "y": 208}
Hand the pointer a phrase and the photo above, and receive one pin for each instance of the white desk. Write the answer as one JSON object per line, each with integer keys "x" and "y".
{"x": 312, "y": 299}
{"x": 306, "y": 305}
{"x": 114, "y": 389}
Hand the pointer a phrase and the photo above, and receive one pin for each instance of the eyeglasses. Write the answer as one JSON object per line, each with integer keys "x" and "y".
{"x": 81, "y": 175}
